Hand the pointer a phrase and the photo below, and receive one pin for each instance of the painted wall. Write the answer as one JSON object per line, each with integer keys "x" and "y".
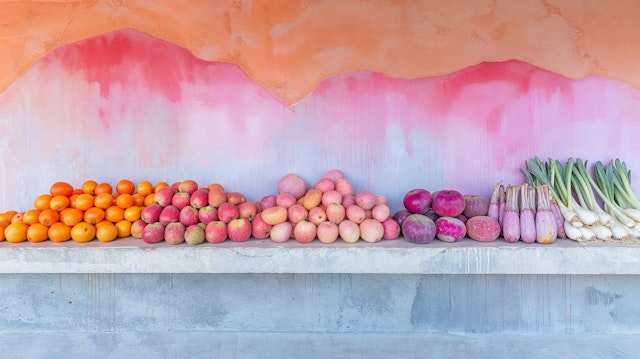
{"x": 406, "y": 94}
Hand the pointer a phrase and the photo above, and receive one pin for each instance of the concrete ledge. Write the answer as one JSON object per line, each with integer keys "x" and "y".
{"x": 130, "y": 255}
{"x": 204, "y": 344}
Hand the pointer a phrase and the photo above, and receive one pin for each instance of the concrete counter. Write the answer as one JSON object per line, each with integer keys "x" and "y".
{"x": 130, "y": 255}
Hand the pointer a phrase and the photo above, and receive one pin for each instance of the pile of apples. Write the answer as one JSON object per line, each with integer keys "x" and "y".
{"x": 328, "y": 210}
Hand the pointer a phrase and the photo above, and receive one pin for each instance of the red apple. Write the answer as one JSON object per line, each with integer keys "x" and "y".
{"x": 169, "y": 214}
{"x": 259, "y": 228}
{"x": 207, "y": 214}
{"x": 194, "y": 234}
{"x": 325, "y": 184}
{"x": 348, "y": 200}
{"x": 228, "y": 212}
{"x": 216, "y": 232}
{"x": 330, "y": 197}
{"x": 304, "y": 231}
{"x": 174, "y": 233}
{"x": 448, "y": 203}
{"x": 188, "y": 216}
{"x": 335, "y": 213}
{"x": 236, "y": 198}
{"x": 317, "y": 215}
{"x": 268, "y": 201}
{"x": 199, "y": 198}
{"x": 417, "y": 200}
{"x": 247, "y": 210}
{"x": 297, "y": 213}
{"x": 281, "y": 232}
{"x": 391, "y": 229}
{"x": 180, "y": 199}
{"x": 153, "y": 232}
{"x": 136, "y": 228}
{"x": 344, "y": 187}
{"x": 151, "y": 213}
{"x": 187, "y": 186}
{"x": 163, "y": 196}
{"x": 216, "y": 197}
{"x": 366, "y": 199}
{"x": 356, "y": 213}
{"x": 239, "y": 229}
{"x": 285, "y": 200}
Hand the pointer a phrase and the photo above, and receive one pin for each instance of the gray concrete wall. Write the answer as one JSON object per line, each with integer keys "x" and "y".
{"x": 524, "y": 304}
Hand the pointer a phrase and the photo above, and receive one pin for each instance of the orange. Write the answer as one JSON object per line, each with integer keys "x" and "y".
{"x": 106, "y": 232}
{"x": 59, "y": 202}
{"x": 159, "y": 185}
{"x": 76, "y": 191}
{"x": 48, "y": 217}
{"x": 89, "y": 187}
{"x": 144, "y": 188}
{"x": 84, "y": 201}
{"x": 59, "y": 232}
{"x": 83, "y": 232}
{"x": 103, "y": 188}
{"x": 37, "y": 232}
{"x": 31, "y": 216}
{"x": 8, "y": 215}
{"x": 138, "y": 199}
{"x": 94, "y": 215}
{"x": 71, "y": 216}
{"x": 3, "y": 225}
{"x": 125, "y": 200}
{"x": 103, "y": 200}
{"x": 149, "y": 199}
{"x": 42, "y": 201}
{"x": 125, "y": 186}
{"x": 17, "y": 218}
{"x": 114, "y": 214}
{"x": 61, "y": 189}
{"x": 132, "y": 213}
{"x": 124, "y": 228}
{"x": 16, "y": 232}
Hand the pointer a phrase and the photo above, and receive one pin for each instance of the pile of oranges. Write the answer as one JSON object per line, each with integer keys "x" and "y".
{"x": 93, "y": 211}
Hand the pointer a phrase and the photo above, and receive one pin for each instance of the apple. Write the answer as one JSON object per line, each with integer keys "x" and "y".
{"x": 327, "y": 232}
{"x": 153, "y": 232}
{"x": 381, "y": 199}
{"x": 324, "y": 185}
{"x": 304, "y": 231}
{"x": 180, "y": 199}
{"x": 169, "y": 214}
{"x": 188, "y": 216}
{"x": 228, "y": 212}
{"x": 216, "y": 232}
{"x": 239, "y": 229}
{"x": 174, "y": 233}
{"x": 259, "y": 228}
{"x": 285, "y": 200}
{"x": 333, "y": 175}
{"x": 356, "y": 213}
{"x": 275, "y": 215}
{"x": 188, "y": 186}
{"x": 317, "y": 215}
{"x": 136, "y": 228}
{"x": 330, "y": 197}
{"x": 344, "y": 187}
{"x": 281, "y": 232}
{"x": 151, "y": 213}
{"x": 349, "y": 231}
{"x": 391, "y": 229}
{"x": 268, "y": 201}
{"x": 216, "y": 197}
{"x": 335, "y": 213}
{"x": 297, "y": 213}
{"x": 348, "y": 200}
{"x": 380, "y": 212}
{"x": 366, "y": 199}
{"x": 199, "y": 198}
{"x": 247, "y": 210}
{"x": 194, "y": 234}
{"x": 174, "y": 186}
{"x": 417, "y": 200}
{"x": 207, "y": 214}
{"x": 236, "y": 198}
{"x": 448, "y": 203}
{"x": 163, "y": 196}
{"x": 371, "y": 230}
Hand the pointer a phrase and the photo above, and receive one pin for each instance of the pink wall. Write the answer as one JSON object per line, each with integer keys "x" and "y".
{"x": 128, "y": 105}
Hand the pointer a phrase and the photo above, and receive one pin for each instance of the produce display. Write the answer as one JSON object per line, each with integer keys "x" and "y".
{"x": 556, "y": 201}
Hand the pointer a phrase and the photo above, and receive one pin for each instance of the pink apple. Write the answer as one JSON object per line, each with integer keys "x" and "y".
{"x": 174, "y": 233}
{"x": 216, "y": 232}
{"x": 324, "y": 185}
{"x": 380, "y": 212}
{"x": 344, "y": 187}
{"x": 366, "y": 199}
{"x": 391, "y": 229}
{"x": 174, "y": 186}
{"x": 330, "y": 197}
{"x": 285, "y": 200}
{"x": 333, "y": 175}
{"x": 371, "y": 230}
{"x": 349, "y": 231}
{"x": 194, "y": 234}
{"x": 169, "y": 214}
{"x": 188, "y": 216}
{"x": 304, "y": 231}
{"x": 207, "y": 214}
{"x": 356, "y": 213}
{"x": 247, "y": 210}
{"x": 335, "y": 213}
{"x": 239, "y": 229}
{"x": 151, "y": 213}
{"x": 381, "y": 199}
{"x": 268, "y": 201}
{"x": 216, "y": 197}
{"x": 297, "y": 213}
{"x": 327, "y": 232}
{"x": 137, "y": 227}
{"x": 259, "y": 228}
{"x": 180, "y": 199}
{"x": 228, "y": 212}
{"x": 163, "y": 196}
{"x": 236, "y": 198}
{"x": 153, "y": 232}
{"x": 348, "y": 200}
{"x": 187, "y": 186}
{"x": 281, "y": 232}
{"x": 317, "y": 215}
{"x": 199, "y": 198}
